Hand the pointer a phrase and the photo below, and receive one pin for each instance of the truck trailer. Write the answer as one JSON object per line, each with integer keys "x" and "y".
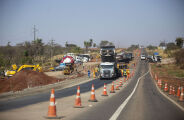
{"x": 108, "y": 66}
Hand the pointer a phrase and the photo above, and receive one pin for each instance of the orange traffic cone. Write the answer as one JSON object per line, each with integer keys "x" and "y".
{"x": 52, "y": 107}
{"x": 178, "y": 92}
{"x": 173, "y": 91}
{"x": 170, "y": 90}
{"x": 78, "y": 99}
{"x": 120, "y": 83}
{"x": 117, "y": 86}
{"x": 166, "y": 87}
{"x": 124, "y": 79}
{"x": 92, "y": 98}
{"x": 156, "y": 78}
{"x": 104, "y": 91}
{"x": 112, "y": 88}
{"x": 159, "y": 83}
{"x": 181, "y": 95}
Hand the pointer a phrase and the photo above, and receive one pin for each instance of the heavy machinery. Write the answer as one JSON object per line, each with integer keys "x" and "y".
{"x": 108, "y": 66}
{"x": 123, "y": 67}
{"x": 68, "y": 69}
{"x": 65, "y": 60}
{"x": 15, "y": 69}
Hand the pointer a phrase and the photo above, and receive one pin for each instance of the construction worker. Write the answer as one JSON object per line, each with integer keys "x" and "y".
{"x": 89, "y": 73}
{"x": 124, "y": 73}
{"x": 118, "y": 66}
{"x": 96, "y": 71}
{"x": 128, "y": 72}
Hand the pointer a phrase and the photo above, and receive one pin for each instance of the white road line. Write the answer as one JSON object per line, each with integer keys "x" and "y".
{"x": 165, "y": 95}
{"x": 121, "y": 107}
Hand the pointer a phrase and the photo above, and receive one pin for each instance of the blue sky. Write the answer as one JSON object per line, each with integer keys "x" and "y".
{"x": 122, "y": 22}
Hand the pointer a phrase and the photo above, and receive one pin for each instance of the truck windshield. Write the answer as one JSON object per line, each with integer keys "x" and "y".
{"x": 106, "y": 66}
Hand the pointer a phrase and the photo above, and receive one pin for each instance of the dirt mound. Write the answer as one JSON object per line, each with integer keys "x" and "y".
{"x": 25, "y": 79}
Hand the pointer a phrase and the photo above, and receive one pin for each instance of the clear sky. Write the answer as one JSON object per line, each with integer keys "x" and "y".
{"x": 122, "y": 22}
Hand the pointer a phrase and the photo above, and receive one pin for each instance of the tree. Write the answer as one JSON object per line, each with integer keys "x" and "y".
{"x": 91, "y": 42}
{"x": 37, "y": 46}
{"x": 162, "y": 44}
{"x": 87, "y": 45}
{"x": 132, "y": 47}
{"x": 66, "y": 44}
{"x": 150, "y": 47}
{"x": 179, "y": 42}
{"x": 105, "y": 42}
{"x": 94, "y": 44}
{"x": 171, "y": 46}
{"x": 179, "y": 58}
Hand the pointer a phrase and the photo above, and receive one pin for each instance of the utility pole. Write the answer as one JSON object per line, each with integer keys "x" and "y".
{"x": 34, "y": 31}
{"x": 51, "y": 52}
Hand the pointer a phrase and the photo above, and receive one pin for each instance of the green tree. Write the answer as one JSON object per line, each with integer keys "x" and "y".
{"x": 37, "y": 48}
{"x": 105, "y": 42}
{"x": 133, "y": 47}
{"x": 94, "y": 44}
{"x": 171, "y": 46}
{"x": 179, "y": 42}
{"x": 150, "y": 47}
{"x": 87, "y": 45}
{"x": 91, "y": 42}
{"x": 162, "y": 44}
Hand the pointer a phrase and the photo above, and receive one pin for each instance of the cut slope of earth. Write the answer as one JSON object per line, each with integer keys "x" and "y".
{"x": 25, "y": 79}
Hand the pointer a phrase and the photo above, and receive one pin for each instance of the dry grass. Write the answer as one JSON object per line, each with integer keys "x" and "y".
{"x": 169, "y": 73}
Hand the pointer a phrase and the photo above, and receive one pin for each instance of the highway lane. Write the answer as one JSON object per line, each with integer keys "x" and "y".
{"x": 41, "y": 97}
{"x": 105, "y": 109}
{"x": 146, "y": 103}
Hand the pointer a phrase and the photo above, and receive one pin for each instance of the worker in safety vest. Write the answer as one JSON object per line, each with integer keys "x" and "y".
{"x": 124, "y": 73}
{"x": 128, "y": 72}
{"x": 121, "y": 72}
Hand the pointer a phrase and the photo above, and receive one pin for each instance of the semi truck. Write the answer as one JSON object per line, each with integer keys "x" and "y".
{"x": 108, "y": 65}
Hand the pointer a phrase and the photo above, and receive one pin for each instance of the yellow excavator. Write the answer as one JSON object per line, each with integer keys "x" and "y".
{"x": 15, "y": 69}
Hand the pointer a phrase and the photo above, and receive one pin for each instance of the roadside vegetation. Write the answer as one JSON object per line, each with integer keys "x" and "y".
{"x": 171, "y": 69}
{"x": 44, "y": 54}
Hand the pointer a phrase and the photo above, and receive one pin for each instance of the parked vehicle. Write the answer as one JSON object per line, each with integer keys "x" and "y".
{"x": 65, "y": 60}
{"x": 149, "y": 58}
{"x": 143, "y": 57}
{"x": 85, "y": 57}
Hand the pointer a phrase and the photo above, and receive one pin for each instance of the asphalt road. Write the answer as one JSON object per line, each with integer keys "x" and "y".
{"x": 145, "y": 104}
{"x": 42, "y": 97}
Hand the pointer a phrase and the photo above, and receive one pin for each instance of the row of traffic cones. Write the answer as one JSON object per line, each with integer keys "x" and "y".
{"x": 171, "y": 89}
{"x": 92, "y": 97}
{"x": 78, "y": 104}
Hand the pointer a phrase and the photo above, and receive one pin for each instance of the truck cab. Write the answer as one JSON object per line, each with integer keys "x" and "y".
{"x": 108, "y": 70}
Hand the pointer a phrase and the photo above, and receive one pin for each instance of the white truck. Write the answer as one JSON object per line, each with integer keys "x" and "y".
{"x": 108, "y": 70}
{"x": 108, "y": 66}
